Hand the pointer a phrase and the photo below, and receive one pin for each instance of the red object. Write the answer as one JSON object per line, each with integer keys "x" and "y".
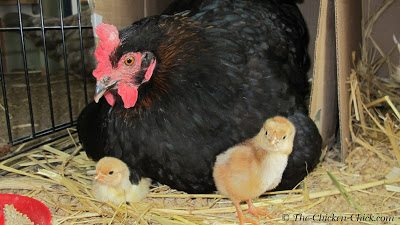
{"x": 108, "y": 41}
{"x": 36, "y": 211}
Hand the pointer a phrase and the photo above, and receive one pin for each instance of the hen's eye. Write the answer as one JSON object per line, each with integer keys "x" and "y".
{"x": 129, "y": 61}
{"x": 111, "y": 172}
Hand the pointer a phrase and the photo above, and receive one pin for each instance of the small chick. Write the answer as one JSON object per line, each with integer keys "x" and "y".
{"x": 255, "y": 166}
{"x": 112, "y": 183}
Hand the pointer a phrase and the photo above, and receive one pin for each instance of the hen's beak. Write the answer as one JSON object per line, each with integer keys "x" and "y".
{"x": 101, "y": 87}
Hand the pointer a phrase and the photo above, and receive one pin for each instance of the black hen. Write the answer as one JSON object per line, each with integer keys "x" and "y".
{"x": 219, "y": 73}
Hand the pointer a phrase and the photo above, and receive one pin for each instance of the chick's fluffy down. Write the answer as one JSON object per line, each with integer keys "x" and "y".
{"x": 118, "y": 195}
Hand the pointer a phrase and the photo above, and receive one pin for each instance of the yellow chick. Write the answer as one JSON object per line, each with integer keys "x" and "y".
{"x": 249, "y": 169}
{"x": 112, "y": 183}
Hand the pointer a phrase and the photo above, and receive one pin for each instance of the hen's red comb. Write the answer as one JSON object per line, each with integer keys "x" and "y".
{"x": 108, "y": 42}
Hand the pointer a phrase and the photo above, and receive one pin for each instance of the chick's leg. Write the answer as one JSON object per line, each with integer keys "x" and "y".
{"x": 257, "y": 212}
{"x": 242, "y": 219}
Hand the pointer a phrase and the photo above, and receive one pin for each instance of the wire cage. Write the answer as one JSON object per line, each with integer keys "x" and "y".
{"x": 45, "y": 67}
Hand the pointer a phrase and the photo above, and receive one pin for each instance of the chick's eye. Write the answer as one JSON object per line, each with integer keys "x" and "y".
{"x": 266, "y": 133}
{"x": 111, "y": 172}
{"x": 129, "y": 61}
{"x": 284, "y": 137}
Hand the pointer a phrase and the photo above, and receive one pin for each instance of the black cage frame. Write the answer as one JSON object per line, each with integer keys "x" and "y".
{"x": 21, "y": 29}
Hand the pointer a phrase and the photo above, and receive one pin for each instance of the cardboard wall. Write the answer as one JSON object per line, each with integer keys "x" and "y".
{"x": 333, "y": 57}
{"x": 323, "y": 103}
{"x": 117, "y": 12}
{"x": 348, "y": 39}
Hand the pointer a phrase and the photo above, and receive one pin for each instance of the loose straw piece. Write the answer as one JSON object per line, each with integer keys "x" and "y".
{"x": 290, "y": 199}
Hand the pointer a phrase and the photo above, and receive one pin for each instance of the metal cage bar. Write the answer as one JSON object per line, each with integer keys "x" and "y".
{"x": 60, "y": 3}
{"x": 33, "y": 146}
{"x": 42, "y": 28}
{"x": 3, "y": 87}
{"x": 24, "y": 60}
{"x": 82, "y": 53}
{"x": 67, "y": 27}
{"x": 43, "y": 133}
{"x": 46, "y": 62}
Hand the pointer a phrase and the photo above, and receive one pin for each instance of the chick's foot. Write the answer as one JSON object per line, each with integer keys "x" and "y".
{"x": 257, "y": 212}
{"x": 242, "y": 219}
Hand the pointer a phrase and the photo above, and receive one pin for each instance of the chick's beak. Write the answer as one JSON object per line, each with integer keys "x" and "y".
{"x": 102, "y": 86}
{"x": 272, "y": 140}
{"x": 99, "y": 177}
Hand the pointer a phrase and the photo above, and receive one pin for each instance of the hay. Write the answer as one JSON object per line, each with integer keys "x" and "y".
{"x": 12, "y": 216}
{"x": 60, "y": 174}
{"x": 374, "y": 102}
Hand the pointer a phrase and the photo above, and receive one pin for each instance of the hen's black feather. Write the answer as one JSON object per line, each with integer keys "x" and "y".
{"x": 92, "y": 128}
{"x": 221, "y": 72}
{"x": 306, "y": 151}
{"x": 178, "y": 6}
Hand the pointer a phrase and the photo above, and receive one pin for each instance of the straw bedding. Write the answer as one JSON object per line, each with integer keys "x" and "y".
{"x": 366, "y": 182}
{"x": 60, "y": 175}
{"x": 12, "y": 216}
